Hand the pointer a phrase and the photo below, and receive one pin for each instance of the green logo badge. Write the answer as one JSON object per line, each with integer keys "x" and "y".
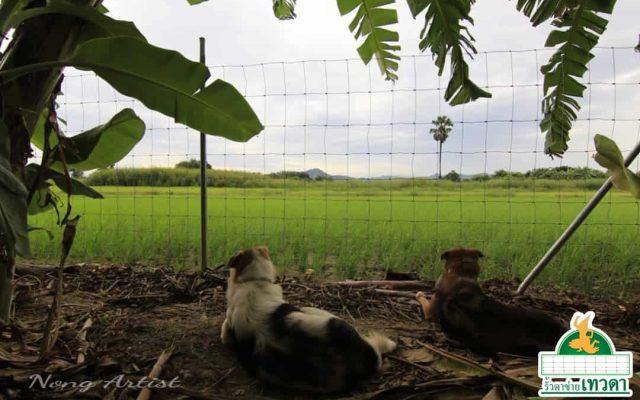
{"x": 585, "y": 364}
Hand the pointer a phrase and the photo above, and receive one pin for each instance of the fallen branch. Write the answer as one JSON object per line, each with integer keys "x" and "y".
{"x": 222, "y": 378}
{"x": 45, "y": 269}
{"x": 145, "y": 393}
{"x": 83, "y": 345}
{"x": 426, "y": 389}
{"x": 382, "y": 284}
{"x": 132, "y": 299}
{"x": 400, "y": 276}
{"x": 396, "y": 293}
{"x": 457, "y": 382}
{"x": 429, "y": 371}
{"x": 527, "y": 385}
{"x": 194, "y": 394}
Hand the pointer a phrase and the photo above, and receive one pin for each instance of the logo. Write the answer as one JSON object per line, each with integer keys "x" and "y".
{"x": 585, "y": 363}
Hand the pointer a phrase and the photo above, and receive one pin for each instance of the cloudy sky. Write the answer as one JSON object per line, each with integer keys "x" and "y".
{"x": 323, "y": 108}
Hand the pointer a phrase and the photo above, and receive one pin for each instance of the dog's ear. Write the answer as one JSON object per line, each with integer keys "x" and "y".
{"x": 444, "y": 255}
{"x": 264, "y": 252}
{"x": 480, "y": 255}
{"x": 233, "y": 261}
{"x": 240, "y": 260}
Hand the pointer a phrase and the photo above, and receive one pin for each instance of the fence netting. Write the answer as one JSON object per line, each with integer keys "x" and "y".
{"x": 343, "y": 178}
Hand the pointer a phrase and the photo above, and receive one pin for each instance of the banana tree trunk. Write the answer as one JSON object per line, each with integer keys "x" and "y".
{"x": 42, "y": 38}
{"x": 6, "y": 290}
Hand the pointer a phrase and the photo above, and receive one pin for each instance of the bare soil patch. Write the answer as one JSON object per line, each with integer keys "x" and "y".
{"x": 138, "y": 312}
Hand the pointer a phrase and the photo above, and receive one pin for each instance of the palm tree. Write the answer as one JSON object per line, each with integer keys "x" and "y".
{"x": 440, "y": 131}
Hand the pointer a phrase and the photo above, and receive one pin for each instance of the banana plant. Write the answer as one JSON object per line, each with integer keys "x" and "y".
{"x": 580, "y": 24}
{"x": 381, "y": 43}
{"x": 609, "y": 156}
{"x": 284, "y": 9}
{"x": 50, "y": 35}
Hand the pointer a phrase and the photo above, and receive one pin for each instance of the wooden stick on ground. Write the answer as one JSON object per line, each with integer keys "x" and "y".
{"x": 83, "y": 345}
{"x": 145, "y": 393}
{"x": 429, "y": 371}
{"x": 222, "y": 378}
{"x": 383, "y": 284}
{"x": 396, "y": 293}
{"x": 523, "y": 383}
{"x": 24, "y": 269}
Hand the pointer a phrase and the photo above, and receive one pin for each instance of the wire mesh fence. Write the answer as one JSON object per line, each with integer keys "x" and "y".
{"x": 359, "y": 193}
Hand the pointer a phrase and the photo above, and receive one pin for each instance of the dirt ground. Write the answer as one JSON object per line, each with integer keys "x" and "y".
{"x": 135, "y": 313}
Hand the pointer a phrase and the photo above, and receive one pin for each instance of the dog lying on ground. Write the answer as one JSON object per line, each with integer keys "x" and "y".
{"x": 283, "y": 345}
{"x": 478, "y": 321}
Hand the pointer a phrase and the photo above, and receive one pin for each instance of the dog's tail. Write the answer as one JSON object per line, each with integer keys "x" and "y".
{"x": 380, "y": 344}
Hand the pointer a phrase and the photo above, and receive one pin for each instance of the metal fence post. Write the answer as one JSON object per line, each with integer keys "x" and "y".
{"x": 575, "y": 224}
{"x": 203, "y": 184}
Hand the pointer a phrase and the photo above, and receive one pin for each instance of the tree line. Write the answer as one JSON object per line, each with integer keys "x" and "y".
{"x": 188, "y": 174}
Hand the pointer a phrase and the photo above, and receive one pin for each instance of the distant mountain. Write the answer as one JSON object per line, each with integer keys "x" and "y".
{"x": 314, "y": 173}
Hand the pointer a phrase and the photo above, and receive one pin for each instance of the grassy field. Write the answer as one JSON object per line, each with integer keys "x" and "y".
{"x": 354, "y": 230}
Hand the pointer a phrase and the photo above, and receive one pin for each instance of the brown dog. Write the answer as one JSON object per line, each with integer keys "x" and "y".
{"x": 478, "y": 321}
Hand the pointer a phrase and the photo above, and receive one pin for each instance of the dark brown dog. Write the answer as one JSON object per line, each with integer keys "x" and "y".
{"x": 478, "y": 321}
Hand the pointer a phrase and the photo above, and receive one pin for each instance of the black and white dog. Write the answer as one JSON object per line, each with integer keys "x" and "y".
{"x": 301, "y": 348}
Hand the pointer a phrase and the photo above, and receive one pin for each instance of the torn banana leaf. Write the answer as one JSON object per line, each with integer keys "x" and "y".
{"x": 610, "y": 157}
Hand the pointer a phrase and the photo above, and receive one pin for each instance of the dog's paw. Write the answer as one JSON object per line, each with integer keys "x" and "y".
{"x": 425, "y": 304}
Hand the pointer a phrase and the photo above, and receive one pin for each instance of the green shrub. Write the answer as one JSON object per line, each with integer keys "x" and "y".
{"x": 191, "y": 164}
{"x": 452, "y": 176}
{"x": 565, "y": 172}
{"x": 290, "y": 175}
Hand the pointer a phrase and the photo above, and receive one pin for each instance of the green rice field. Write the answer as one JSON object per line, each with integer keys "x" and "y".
{"x": 354, "y": 231}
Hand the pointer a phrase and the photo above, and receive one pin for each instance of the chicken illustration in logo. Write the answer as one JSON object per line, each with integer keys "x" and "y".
{"x": 585, "y": 341}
